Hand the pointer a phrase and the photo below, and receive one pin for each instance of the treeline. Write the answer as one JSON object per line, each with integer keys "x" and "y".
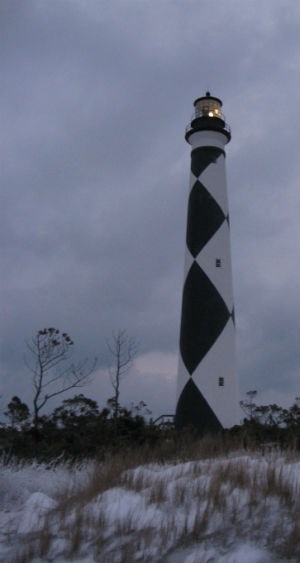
{"x": 271, "y": 424}
{"x": 79, "y": 429}
{"x": 76, "y": 429}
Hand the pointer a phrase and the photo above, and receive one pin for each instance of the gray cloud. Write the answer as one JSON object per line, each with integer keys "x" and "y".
{"x": 94, "y": 100}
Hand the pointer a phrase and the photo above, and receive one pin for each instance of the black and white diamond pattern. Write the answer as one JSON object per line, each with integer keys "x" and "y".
{"x": 207, "y": 305}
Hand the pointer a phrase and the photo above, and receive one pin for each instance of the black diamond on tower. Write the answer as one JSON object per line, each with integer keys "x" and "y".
{"x": 202, "y": 157}
{"x": 205, "y": 217}
{"x": 193, "y": 409}
{"x": 204, "y": 316}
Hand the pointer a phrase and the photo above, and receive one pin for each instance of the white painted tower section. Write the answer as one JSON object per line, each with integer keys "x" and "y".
{"x": 207, "y": 394}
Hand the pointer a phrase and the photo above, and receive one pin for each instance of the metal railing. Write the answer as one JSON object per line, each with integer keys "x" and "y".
{"x": 165, "y": 421}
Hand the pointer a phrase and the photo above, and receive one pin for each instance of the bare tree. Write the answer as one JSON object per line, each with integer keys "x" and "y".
{"x": 123, "y": 349}
{"x": 50, "y": 353}
{"x": 249, "y": 406}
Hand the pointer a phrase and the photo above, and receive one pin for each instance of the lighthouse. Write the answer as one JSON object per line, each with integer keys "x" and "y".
{"x": 207, "y": 384}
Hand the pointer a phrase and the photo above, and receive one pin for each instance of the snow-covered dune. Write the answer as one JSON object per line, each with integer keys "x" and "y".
{"x": 238, "y": 509}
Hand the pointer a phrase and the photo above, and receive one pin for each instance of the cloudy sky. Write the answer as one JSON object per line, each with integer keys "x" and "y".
{"x": 95, "y": 96}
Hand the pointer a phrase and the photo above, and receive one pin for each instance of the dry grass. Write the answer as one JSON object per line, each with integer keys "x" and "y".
{"x": 291, "y": 545}
{"x": 230, "y": 497}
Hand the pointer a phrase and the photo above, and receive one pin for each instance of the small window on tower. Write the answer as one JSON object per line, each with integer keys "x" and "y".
{"x": 221, "y": 381}
{"x": 218, "y": 263}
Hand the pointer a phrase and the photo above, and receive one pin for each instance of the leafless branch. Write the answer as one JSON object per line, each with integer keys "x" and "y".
{"x": 122, "y": 350}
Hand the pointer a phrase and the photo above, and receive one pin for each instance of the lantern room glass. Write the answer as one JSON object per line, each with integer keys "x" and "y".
{"x": 208, "y": 107}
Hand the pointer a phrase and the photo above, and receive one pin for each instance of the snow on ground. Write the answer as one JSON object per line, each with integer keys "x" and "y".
{"x": 239, "y": 509}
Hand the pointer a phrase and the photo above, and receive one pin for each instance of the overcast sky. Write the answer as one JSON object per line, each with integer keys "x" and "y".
{"x": 95, "y": 97}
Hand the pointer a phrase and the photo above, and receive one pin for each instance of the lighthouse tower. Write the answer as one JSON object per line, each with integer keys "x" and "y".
{"x": 207, "y": 385}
